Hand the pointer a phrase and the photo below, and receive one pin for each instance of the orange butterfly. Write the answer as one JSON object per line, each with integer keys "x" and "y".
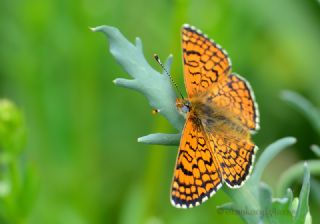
{"x": 221, "y": 112}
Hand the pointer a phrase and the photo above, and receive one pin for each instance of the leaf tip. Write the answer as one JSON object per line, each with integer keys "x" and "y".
{"x": 306, "y": 171}
{"x": 292, "y": 139}
{"x": 315, "y": 149}
{"x": 93, "y": 29}
{"x": 139, "y": 43}
{"x": 131, "y": 84}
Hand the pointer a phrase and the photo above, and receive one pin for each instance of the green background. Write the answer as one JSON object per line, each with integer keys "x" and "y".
{"x": 82, "y": 129}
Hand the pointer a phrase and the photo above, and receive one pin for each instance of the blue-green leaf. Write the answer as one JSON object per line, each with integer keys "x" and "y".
{"x": 161, "y": 139}
{"x": 275, "y": 210}
{"x": 303, "y": 206}
{"x": 154, "y": 86}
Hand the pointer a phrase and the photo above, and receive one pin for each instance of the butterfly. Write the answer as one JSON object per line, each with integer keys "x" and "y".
{"x": 221, "y": 114}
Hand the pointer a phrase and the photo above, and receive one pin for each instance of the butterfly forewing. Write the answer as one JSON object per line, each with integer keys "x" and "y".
{"x": 205, "y": 62}
{"x": 196, "y": 176}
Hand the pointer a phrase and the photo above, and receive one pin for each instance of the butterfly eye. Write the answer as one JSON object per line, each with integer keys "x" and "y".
{"x": 185, "y": 109}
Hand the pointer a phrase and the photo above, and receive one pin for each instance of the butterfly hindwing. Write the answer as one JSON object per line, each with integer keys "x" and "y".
{"x": 235, "y": 157}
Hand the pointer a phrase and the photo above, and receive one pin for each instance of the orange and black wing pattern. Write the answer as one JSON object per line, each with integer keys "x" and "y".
{"x": 235, "y": 157}
{"x": 215, "y": 146}
{"x": 205, "y": 62}
{"x": 235, "y": 95}
{"x": 196, "y": 176}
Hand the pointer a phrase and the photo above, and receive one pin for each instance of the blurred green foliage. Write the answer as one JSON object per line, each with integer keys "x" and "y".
{"x": 82, "y": 130}
{"x": 18, "y": 184}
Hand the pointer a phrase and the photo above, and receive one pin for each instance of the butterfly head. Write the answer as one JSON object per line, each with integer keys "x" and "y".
{"x": 183, "y": 106}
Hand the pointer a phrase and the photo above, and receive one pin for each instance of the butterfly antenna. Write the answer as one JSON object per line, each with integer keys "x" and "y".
{"x": 166, "y": 71}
